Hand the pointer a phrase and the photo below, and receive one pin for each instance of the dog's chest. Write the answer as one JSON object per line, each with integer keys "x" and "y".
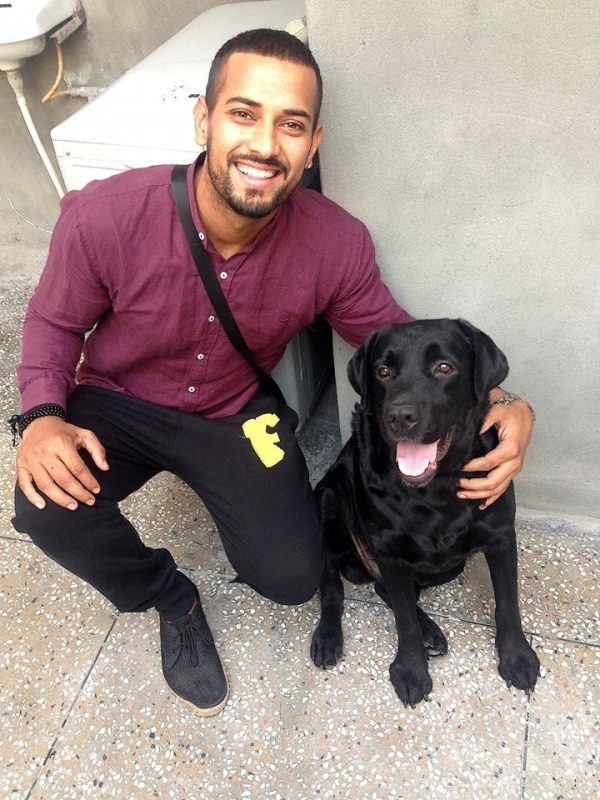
{"x": 429, "y": 540}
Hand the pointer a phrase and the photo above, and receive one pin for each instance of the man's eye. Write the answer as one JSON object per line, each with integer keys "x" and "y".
{"x": 383, "y": 372}
{"x": 293, "y": 127}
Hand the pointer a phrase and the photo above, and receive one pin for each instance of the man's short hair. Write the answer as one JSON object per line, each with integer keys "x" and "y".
{"x": 263, "y": 42}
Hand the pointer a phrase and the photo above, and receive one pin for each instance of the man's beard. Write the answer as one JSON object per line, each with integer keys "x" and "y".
{"x": 251, "y": 204}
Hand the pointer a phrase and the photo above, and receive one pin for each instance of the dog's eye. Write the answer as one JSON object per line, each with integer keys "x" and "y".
{"x": 383, "y": 372}
{"x": 444, "y": 368}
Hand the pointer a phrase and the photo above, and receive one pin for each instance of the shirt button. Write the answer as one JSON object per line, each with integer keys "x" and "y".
{"x": 200, "y": 356}
{"x": 192, "y": 389}
{"x": 211, "y": 318}
{"x": 201, "y": 236}
{"x": 223, "y": 276}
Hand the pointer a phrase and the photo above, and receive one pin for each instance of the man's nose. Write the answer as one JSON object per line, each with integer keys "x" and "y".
{"x": 264, "y": 140}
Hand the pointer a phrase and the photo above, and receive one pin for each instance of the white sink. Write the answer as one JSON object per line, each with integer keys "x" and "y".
{"x": 24, "y": 25}
{"x": 12, "y": 53}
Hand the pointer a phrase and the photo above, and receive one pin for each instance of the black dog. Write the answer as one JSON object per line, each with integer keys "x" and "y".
{"x": 389, "y": 510}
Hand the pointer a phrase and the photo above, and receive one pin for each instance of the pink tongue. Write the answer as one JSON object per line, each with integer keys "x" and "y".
{"x": 413, "y": 459}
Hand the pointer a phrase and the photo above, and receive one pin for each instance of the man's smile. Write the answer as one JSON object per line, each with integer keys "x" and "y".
{"x": 254, "y": 172}
{"x": 258, "y": 174}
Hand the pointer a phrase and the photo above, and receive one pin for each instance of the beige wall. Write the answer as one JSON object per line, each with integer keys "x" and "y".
{"x": 466, "y": 134}
{"x": 115, "y": 37}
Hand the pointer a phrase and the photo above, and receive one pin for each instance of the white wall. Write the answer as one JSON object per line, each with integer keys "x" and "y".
{"x": 466, "y": 134}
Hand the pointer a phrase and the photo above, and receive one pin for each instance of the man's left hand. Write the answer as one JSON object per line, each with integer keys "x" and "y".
{"x": 514, "y": 423}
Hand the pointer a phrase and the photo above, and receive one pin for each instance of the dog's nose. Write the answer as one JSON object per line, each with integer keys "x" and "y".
{"x": 403, "y": 414}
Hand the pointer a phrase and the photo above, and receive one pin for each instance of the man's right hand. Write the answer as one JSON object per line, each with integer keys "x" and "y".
{"x": 48, "y": 460}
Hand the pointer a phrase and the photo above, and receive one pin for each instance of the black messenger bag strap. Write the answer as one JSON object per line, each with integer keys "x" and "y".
{"x": 211, "y": 283}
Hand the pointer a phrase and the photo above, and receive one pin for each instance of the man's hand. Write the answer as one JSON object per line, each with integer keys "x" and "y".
{"x": 515, "y": 425}
{"x": 48, "y": 461}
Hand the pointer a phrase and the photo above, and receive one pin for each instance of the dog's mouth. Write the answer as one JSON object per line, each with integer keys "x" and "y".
{"x": 418, "y": 462}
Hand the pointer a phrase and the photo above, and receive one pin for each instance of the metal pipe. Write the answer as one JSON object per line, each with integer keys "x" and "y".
{"x": 16, "y": 81}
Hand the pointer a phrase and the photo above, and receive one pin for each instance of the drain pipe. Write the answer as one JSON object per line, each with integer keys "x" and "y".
{"x": 16, "y": 81}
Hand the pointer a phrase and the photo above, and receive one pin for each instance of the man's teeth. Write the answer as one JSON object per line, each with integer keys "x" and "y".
{"x": 254, "y": 172}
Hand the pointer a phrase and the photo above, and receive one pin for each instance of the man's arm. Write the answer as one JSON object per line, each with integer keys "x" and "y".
{"x": 364, "y": 304}
{"x": 514, "y": 423}
{"x": 68, "y": 301}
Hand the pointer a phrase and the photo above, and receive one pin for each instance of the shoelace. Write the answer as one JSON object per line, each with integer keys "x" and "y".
{"x": 188, "y": 642}
{"x": 189, "y": 636}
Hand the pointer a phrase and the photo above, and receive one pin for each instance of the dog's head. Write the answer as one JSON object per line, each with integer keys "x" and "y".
{"x": 426, "y": 385}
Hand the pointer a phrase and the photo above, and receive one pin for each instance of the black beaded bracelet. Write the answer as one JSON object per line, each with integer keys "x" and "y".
{"x": 19, "y": 422}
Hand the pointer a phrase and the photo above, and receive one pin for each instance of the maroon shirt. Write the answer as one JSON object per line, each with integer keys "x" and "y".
{"x": 119, "y": 266}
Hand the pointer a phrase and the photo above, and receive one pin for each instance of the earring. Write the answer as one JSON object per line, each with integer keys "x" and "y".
{"x": 309, "y": 165}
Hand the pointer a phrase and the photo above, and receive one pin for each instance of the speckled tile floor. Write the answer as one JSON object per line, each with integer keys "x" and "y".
{"x": 85, "y": 711}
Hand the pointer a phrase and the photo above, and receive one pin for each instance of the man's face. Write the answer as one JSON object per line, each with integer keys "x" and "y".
{"x": 259, "y": 136}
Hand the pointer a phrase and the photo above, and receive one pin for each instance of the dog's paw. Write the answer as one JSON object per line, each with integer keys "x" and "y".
{"x": 412, "y": 683}
{"x": 519, "y": 666}
{"x": 434, "y": 640}
{"x": 327, "y": 644}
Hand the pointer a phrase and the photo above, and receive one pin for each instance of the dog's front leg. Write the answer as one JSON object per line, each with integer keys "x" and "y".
{"x": 517, "y": 662}
{"x": 328, "y": 640}
{"x": 408, "y": 671}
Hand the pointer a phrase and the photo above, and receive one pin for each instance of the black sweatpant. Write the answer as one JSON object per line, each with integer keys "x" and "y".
{"x": 254, "y": 484}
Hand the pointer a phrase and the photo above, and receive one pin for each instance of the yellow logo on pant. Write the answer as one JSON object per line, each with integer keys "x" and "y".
{"x": 264, "y": 443}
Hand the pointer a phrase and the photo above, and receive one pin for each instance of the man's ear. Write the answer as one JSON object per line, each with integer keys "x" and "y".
{"x": 316, "y": 141}
{"x": 200, "y": 121}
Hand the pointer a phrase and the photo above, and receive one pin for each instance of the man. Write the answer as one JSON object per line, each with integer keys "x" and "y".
{"x": 161, "y": 388}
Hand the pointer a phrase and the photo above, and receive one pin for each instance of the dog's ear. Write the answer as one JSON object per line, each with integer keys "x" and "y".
{"x": 491, "y": 366}
{"x": 359, "y": 368}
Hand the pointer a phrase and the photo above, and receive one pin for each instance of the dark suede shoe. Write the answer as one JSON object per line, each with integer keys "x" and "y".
{"x": 191, "y": 664}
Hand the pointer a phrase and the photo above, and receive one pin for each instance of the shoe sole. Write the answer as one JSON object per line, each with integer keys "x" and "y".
{"x": 203, "y": 712}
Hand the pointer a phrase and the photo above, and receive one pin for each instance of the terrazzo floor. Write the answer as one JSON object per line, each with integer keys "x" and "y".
{"x": 85, "y": 711}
